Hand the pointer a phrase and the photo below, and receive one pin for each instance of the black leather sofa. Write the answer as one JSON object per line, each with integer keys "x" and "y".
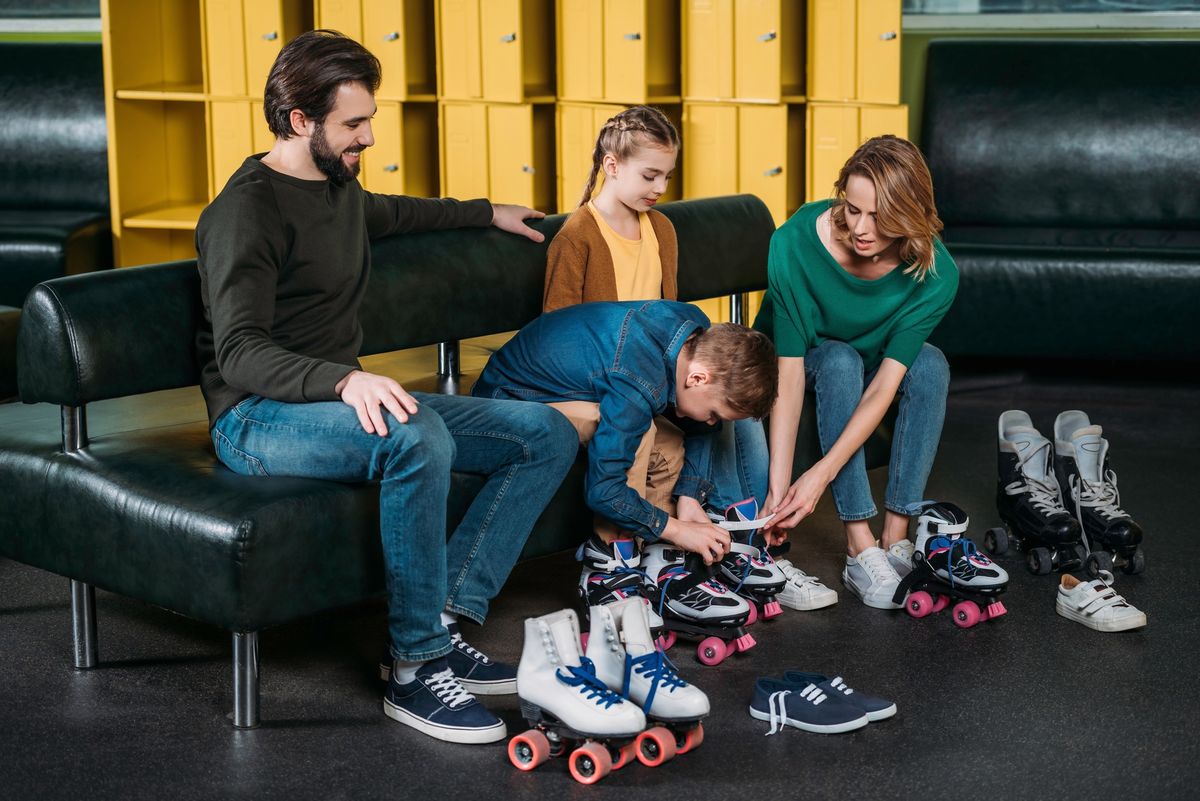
{"x": 1067, "y": 174}
{"x": 54, "y": 211}
{"x": 149, "y": 513}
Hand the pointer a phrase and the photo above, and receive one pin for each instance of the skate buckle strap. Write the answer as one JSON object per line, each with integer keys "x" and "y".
{"x": 584, "y": 677}
{"x": 1101, "y": 595}
{"x": 656, "y": 667}
{"x": 740, "y": 525}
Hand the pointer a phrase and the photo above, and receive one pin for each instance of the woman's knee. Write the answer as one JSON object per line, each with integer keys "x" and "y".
{"x": 929, "y": 373}
{"x": 838, "y": 365}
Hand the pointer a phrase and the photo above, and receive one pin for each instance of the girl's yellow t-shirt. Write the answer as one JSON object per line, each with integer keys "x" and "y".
{"x": 636, "y": 263}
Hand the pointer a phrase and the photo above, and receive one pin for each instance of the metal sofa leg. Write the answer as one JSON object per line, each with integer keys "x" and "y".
{"x": 83, "y": 623}
{"x": 245, "y": 679}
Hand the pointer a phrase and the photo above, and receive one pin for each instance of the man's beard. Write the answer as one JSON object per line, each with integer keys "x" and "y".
{"x": 327, "y": 161}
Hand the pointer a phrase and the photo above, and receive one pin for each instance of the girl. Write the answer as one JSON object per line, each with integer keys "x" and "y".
{"x": 615, "y": 246}
{"x": 856, "y": 285}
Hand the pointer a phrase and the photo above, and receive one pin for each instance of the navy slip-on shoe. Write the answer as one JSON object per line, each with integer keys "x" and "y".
{"x": 436, "y": 704}
{"x": 806, "y": 707}
{"x": 875, "y": 708}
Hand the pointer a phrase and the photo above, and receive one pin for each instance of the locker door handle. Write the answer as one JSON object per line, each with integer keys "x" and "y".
{"x": 272, "y": 36}
{"x": 887, "y": 37}
{"x": 633, "y": 37}
{"x": 391, "y": 37}
{"x": 508, "y": 37}
{"x": 525, "y": 168}
{"x": 391, "y": 168}
{"x": 773, "y": 172}
{"x": 768, "y": 36}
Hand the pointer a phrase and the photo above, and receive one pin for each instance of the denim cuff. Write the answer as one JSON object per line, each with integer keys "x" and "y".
{"x": 423, "y": 656}
{"x": 691, "y": 486}
{"x": 471, "y": 614}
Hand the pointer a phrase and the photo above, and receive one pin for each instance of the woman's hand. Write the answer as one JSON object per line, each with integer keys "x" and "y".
{"x": 801, "y": 498}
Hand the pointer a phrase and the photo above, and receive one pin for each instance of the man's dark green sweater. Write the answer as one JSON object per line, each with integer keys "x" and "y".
{"x": 284, "y": 264}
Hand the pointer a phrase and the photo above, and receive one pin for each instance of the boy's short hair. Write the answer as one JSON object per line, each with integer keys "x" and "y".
{"x": 742, "y": 361}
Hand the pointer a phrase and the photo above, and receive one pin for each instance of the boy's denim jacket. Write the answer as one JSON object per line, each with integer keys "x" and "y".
{"x": 622, "y": 356}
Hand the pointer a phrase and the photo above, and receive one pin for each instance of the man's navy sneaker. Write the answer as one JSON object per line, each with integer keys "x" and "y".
{"x": 436, "y": 703}
{"x": 876, "y": 708}
{"x": 474, "y": 669}
{"x": 806, "y": 707}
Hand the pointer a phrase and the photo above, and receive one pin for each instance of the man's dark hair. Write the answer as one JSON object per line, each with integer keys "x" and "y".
{"x": 307, "y": 73}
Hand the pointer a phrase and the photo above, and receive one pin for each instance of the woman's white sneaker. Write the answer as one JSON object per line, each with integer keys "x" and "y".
{"x": 1096, "y": 604}
{"x": 872, "y": 578}
{"x": 802, "y": 591}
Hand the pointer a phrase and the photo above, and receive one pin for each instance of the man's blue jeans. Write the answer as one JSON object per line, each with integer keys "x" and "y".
{"x": 524, "y": 450}
{"x": 834, "y": 371}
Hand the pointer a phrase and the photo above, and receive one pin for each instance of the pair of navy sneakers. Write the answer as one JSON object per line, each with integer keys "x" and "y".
{"x": 817, "y": 703}
{"x": 440, "y": 701}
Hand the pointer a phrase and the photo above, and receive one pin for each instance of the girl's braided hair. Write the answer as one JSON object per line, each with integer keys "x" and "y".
{"x": 626, "y": 133}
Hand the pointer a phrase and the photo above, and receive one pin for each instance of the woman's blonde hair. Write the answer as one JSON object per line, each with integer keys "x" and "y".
{"x": 626, "y": 133}
{"x": 904, "y": 208}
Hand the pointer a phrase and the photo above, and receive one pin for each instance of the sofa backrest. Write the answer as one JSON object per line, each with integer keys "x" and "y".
{"x": 53, "y": 138}
{"x": 1064, "y": 133}
{"x": 124, "y": 332}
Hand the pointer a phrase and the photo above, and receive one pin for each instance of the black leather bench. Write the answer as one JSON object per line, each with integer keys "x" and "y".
{"x": 1066, "y": 174}
{"x": 54, "y": 211}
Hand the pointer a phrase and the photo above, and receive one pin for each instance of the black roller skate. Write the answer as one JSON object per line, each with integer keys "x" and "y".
{"x": 947, "y": 565}
{"x": 694, "y": 604}
{"x": 611, "y": 572}
{"x": 1029, "y": 501}
{"x": 748, "y": 569}
{"x": 1089, "y": 490}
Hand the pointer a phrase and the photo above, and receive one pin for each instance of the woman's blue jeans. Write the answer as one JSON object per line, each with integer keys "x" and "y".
{"x": 834, "y": 372}
{"x": 524, "y": 450}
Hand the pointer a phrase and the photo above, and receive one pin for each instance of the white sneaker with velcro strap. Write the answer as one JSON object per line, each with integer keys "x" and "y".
{"x": 1096, "y": 604}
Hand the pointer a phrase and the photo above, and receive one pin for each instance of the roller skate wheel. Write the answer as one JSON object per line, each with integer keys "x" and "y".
{"x": 996, "y": 541}
{"x": 743, "y": 643}
{"x": 773, "y": 609}
{"x": 589, "y": 763}
{"x": 711, "y": 651}
{"x": 752, "y": 616}
{"x": 1135, "y": 564}
{"x": 919, "y": 604}
{"x": 665, "y": 640}
{"x": 966, "y": 614}
{"x": 527, "y": 751}
{"x": 622, "y": 756}
{"x": 689, "y": 740}
{"x": 1078, "y": 555}
{"x": 940, "y": 603}
{"x": 655, "y": 746}
{"x": 1039, "y": 561}
{"x": 1097, "y": 561}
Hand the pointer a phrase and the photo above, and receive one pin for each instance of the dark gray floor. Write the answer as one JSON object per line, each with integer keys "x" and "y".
{"x": 1029, "y": 706}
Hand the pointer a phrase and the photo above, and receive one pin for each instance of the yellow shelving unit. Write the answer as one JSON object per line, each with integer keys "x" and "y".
{"x": 401, "y": 35}
{"x": 835, "y": 132}
{"x": 495, "y": 50}
{"x": 744, "y": 50}
{"x": 854, "y": 51}
{"x": 618, "y": 51}
{"x": 501, "y": 151}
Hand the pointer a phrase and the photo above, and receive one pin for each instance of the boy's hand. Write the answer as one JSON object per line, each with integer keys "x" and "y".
{"x": 706, "y": 539}
{"x": 512, "y": 219}
{"x": 366, "y": 392}
{"x": 690, "y": 510}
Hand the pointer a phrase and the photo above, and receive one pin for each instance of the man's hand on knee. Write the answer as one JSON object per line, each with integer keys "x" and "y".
{"x": 709, "y": 540}
{"x": 367, "y": 392}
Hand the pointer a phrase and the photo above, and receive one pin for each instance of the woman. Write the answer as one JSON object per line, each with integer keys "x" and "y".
{"x": 857, "y": 283}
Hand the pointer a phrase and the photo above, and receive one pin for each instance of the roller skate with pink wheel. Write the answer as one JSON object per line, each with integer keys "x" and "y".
{"x": 610, "y": 573}
{"x": 748, "y": 569}
{"x": 570, "y": 710}
{"x": 694, "y": 604}
{"x": 949, "y": 569}
{"x": 629, "y": 661}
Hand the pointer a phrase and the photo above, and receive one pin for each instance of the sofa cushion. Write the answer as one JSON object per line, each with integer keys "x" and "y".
{"x": 37, "y": 245}
{"x": 10, "y": 321}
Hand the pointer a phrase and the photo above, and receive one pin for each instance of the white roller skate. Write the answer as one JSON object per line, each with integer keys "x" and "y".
{"x": 563, "y": 700}
{"x": 692, "y": 603}
{"x": 629, "y": 662}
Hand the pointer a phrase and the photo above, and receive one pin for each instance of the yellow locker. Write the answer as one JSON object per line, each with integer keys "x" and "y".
{"x": 580, "y": 50}
{"x": 771, "y": 156}
{"x": 268, "y": 26}
{"x": 262, "y": 138}
{"x": 458, "y": 72}
{"x": 231, "y": 139}
{"x": 710, "y": 149}
{"x": 345, "y": 16}
{"x": 226, "y": 55}
{"x": 831, "y": 51}
{"x": 384, "y": 34}
{"x": 757, "y": 50}
{"x": 501, "y": 42}
{"x": 624, "y": 50}
{"x": 578, "y": 125}
{"x": 879, "y": 120}
{"x": 708, "y": 49}
{"x": 877, "y": 62}
{"x": 403, "y": 160}
{"x": 496, "y": 50}
{"x": 521, "y": 160}
{"x": 835, "y": 132}
{"x": 464, "y": 155}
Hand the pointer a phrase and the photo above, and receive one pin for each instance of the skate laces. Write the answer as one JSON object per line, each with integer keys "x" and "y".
{"x": 1043, "y": 492}
{"x": 462, "y": 645}
{"x": 584, "y": 677}
{"x": 1102, "y": 496}
{"x": 656, "y": 667}
{"x": 776, "y": 705}
{"x": 447, "y": 688}
{"x": 965, "y": 547}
